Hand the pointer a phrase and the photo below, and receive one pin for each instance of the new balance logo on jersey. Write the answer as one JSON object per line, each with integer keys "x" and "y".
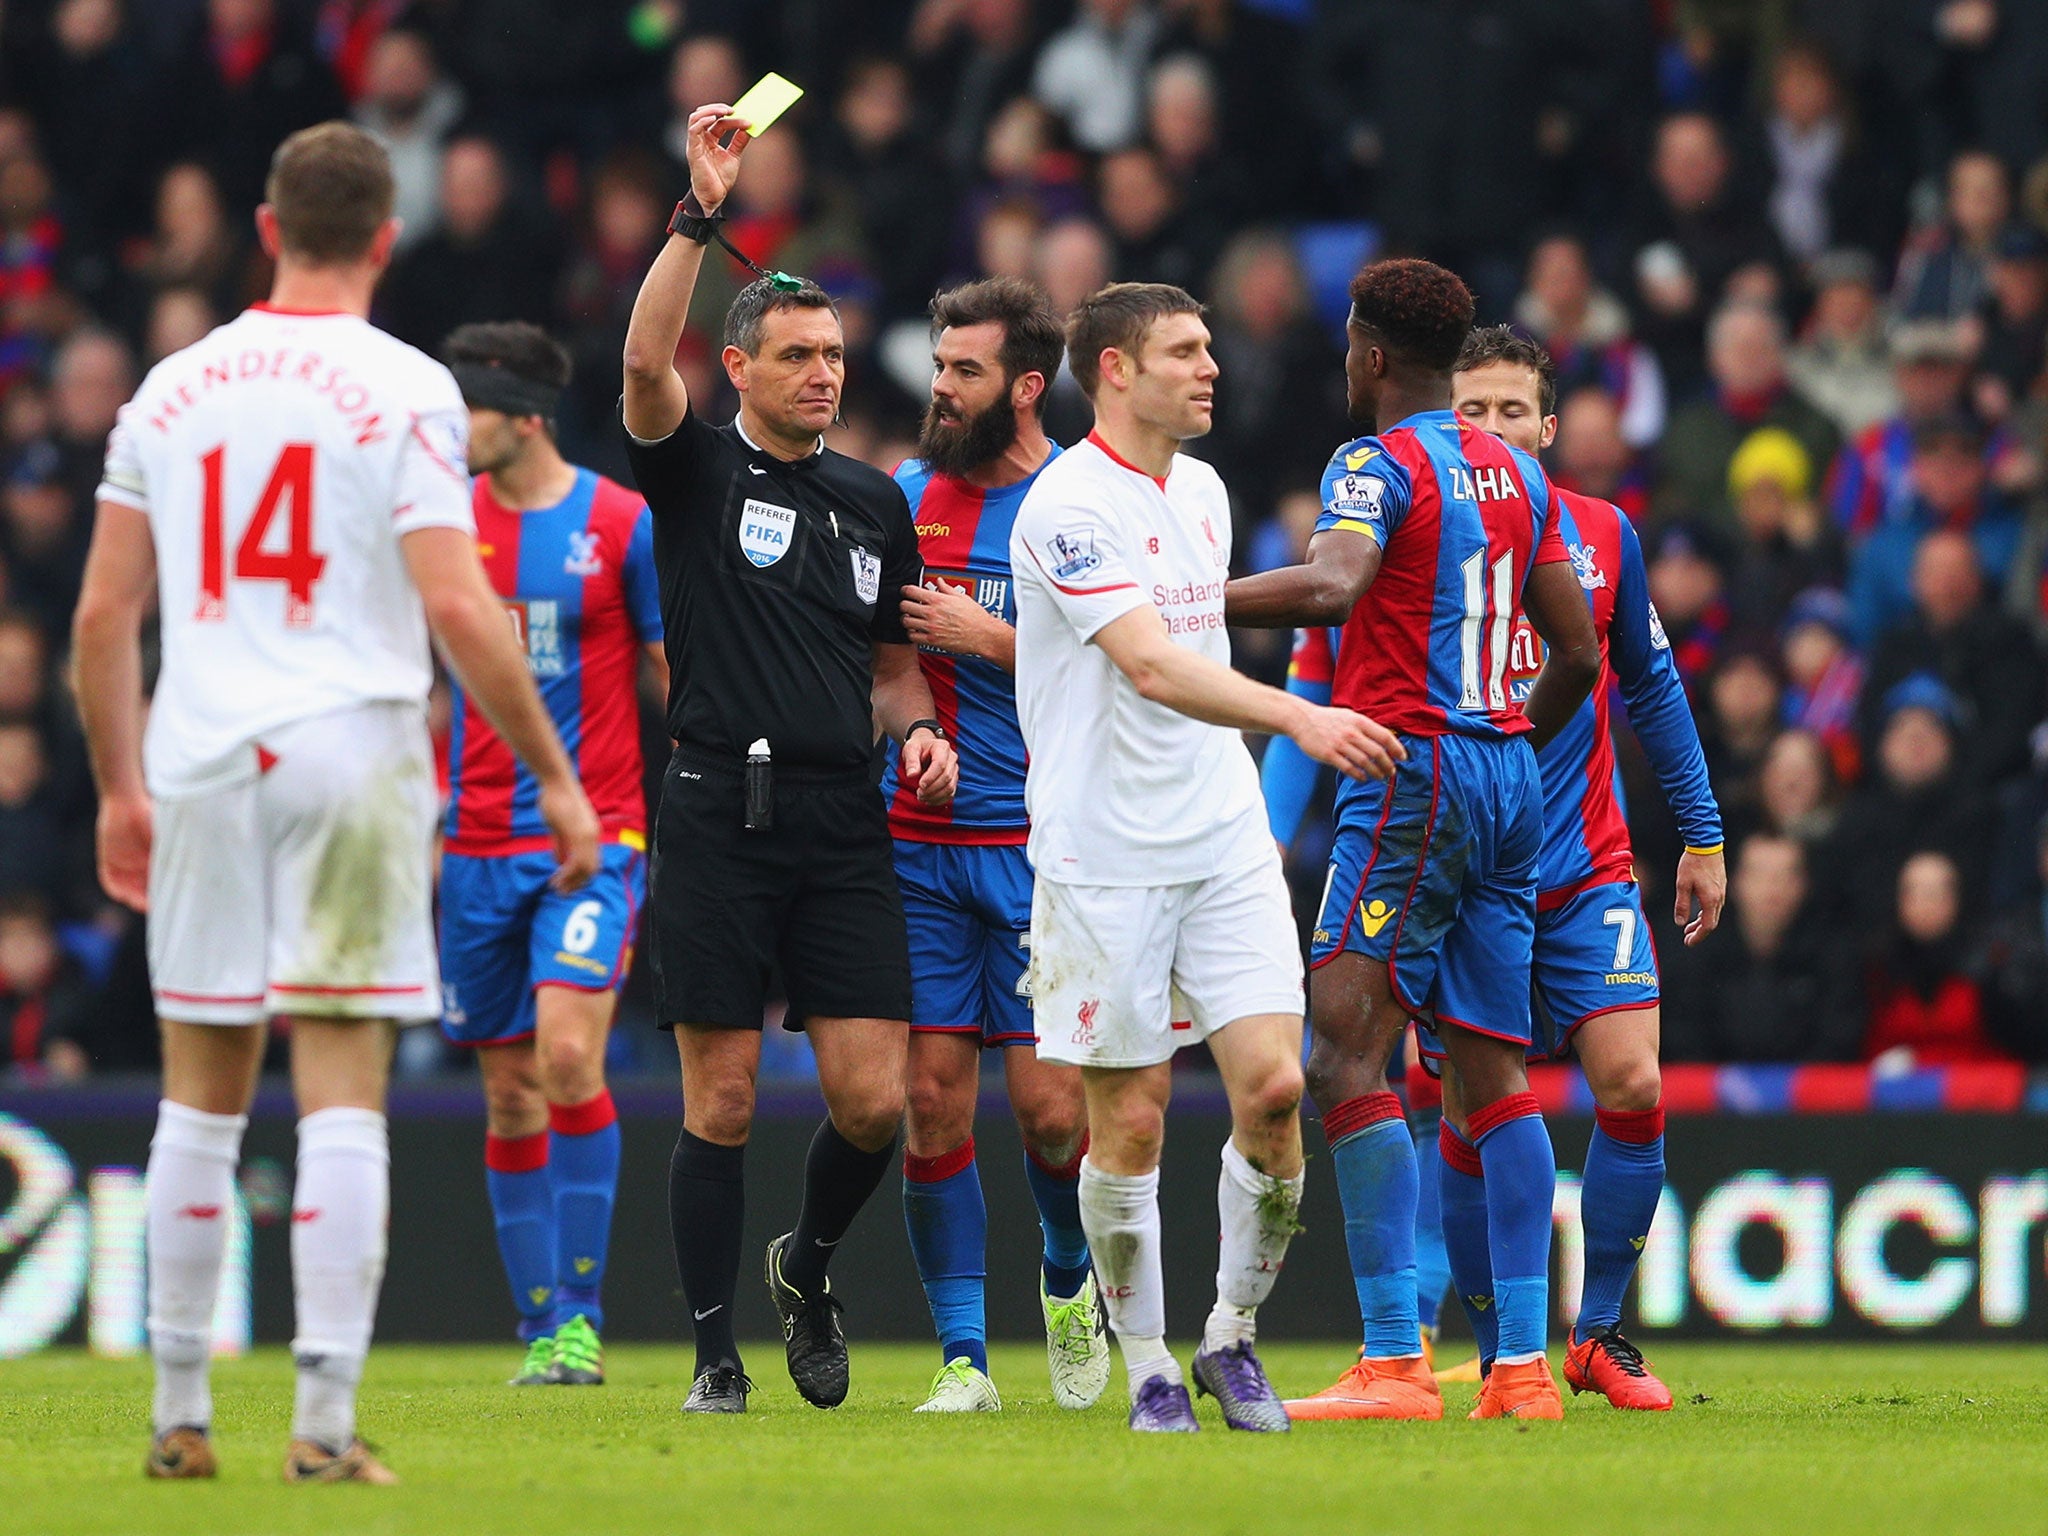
{"x": 583, "y": 557}
{"x": 1591, "y": 577}
{"x": 1085, "y": 1035}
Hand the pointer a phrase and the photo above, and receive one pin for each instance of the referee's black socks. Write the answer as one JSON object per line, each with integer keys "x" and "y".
{"x": 706, "y": 1203}
{"x": 838, "y": 1178}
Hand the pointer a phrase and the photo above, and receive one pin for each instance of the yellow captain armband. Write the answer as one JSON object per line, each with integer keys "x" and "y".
{"x": 1352, "y": 525}
{"x": 1706, "y": 853}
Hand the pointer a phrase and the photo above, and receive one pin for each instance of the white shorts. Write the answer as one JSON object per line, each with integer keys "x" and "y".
{"x": 1125, "y": 975}
{"x": 307, "y": 887}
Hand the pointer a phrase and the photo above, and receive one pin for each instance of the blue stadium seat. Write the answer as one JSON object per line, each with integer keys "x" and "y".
{"x": 1330, "y": 254}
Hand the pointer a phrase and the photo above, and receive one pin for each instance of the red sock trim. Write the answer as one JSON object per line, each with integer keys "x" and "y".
{"x": 1066, "y": 1172}
{"x": 583, "y": 1119}
{"x": 516, "y": 1154}
{"x": 1354, "y": 1115}
{"x": 1458, "y": 1152}
{"x": 1639, "y": 1127}
{"x": 930, "y": 1170}
{"x": 1481, "y": 1123}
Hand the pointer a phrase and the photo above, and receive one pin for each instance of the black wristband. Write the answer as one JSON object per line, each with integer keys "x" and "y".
{"x": 692, "y": 222}
{"x": 933, "y": 726}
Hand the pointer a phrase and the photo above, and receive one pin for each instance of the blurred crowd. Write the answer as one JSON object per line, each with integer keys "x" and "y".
{"x": 1791, "y": 258}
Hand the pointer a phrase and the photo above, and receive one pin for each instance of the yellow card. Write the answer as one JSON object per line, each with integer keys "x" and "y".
{"x": 768, "y": 99}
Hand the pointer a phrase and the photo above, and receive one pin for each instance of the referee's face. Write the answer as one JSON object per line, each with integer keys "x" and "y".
{"x": 793, "y": 383}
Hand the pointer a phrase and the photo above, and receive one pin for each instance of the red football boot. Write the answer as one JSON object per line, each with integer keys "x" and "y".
{"x": 1605, "y": 1362}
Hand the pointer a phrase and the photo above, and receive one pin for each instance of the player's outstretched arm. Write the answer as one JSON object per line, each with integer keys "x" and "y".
{"x": 1322, "y": 590}
{"x": 902, "y": 698}
{"x": 106, "y": 674}
{"x": 468, "y": 620}
{"x": 656, "y": 401}
{"x": 1557, "y": 608}
{"x": 1202, "y": 689}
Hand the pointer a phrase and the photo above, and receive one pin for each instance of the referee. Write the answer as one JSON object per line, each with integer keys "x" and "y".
{"x": 772, "y": 842}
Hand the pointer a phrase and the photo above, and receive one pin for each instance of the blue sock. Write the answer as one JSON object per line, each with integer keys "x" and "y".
{"x": 1057, "y": 1193}
{"x": 948, "y": 1223}
{"x": 1375, "y": 1164}
{"x": 584, "y": 1155}
{"x": 1463, "y": 1201}
{"x": 1521, "y": 1182}
{"x": 1432, "y": 1264}
{"x": 523, "y": 1206}
{"x": 1624, "y": 1181}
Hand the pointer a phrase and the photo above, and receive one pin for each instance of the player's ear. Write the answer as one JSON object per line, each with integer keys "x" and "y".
{"x": 1549, "y": 433}
{"x": 383, "y": 241}
{"x": 1027, "y": 389}
{"x": 266, "y": 230}
{"x": 735, "y": 362}
{"x": 1114, "y": 367}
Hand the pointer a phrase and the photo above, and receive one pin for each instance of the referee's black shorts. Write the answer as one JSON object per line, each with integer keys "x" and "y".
{"x": 815, "y": 892}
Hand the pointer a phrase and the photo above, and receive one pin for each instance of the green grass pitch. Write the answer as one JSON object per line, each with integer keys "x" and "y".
{"x": 1809, "y": 1439}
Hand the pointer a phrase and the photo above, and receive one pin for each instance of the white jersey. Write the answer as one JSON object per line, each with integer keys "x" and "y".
{"x": 279, "y": 461}
{"x": 1123, "y": 791}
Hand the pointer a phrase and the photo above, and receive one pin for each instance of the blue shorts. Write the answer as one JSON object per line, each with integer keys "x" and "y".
{"x": 1433, "y": 873}
{"x": 504, "y": 933}
{"x": 968, "y": 908}
{"x": 1594, "y": 955}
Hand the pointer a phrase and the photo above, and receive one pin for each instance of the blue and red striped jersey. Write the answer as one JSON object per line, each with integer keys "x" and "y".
{"x": 963, "y": 532}
{"x": 1460, "y": 519}
{"x": 578, "y": 582}
{"x": 1585, "y": 827}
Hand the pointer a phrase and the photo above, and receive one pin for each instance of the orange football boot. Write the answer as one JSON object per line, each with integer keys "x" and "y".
{"x": 1375, "y": 1389}
{"x": 1524, "y": 1391}
{"x": 1605, "y": 1362}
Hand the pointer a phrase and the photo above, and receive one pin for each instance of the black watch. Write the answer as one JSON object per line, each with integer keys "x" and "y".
{"x": 692, "y": 222}
{"x": 933, "y": 726}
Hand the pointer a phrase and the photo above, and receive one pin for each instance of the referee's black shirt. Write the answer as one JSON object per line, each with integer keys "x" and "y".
{"x": 776, "y": 577}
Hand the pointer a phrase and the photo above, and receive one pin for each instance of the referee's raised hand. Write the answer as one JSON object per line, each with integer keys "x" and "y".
{"x": 715, "y": 165}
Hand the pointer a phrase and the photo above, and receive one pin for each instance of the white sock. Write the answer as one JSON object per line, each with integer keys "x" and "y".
{"x": 188, "y": 1197}
{"x": 1120, "y": 1214}
{"x": 1258, "y": 1216}
{"x": 339, "y": 1210}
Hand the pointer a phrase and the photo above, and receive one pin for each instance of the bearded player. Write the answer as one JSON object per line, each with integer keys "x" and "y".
{"x": 531, "y": 972}
{"x": 966, "y": 882}
{"x": 1432, "y": 537}
{"x": 1595, "y": 966}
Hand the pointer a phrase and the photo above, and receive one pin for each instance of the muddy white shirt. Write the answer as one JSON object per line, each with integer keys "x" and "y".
{"x": 1123, "y": 791}
{"x": 279, "y": 461}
